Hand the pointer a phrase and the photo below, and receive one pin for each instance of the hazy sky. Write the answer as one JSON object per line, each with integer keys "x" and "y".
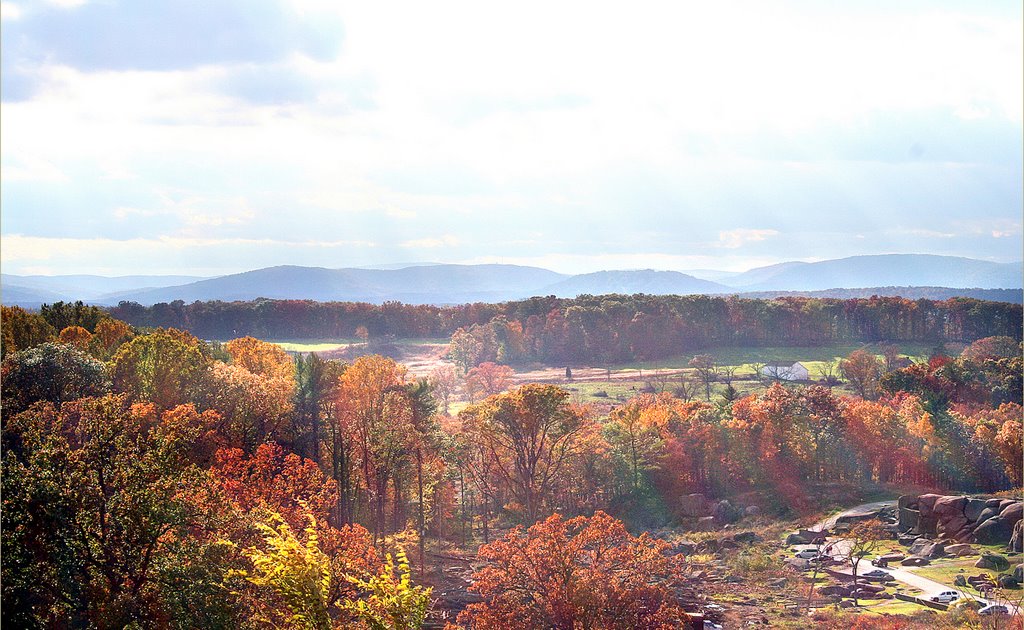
{"x": 196, "y": 136}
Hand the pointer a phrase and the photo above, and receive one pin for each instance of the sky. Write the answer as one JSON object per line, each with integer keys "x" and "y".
{"x": 207, "y": 137}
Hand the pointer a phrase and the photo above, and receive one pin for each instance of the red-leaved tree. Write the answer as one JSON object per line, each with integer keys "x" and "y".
{"x": 576, "y": 573}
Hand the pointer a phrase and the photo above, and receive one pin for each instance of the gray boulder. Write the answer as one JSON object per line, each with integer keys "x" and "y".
{"x": 915, "y": 561}
{"x": 992, "y": 561}
{"x": 694, "y": 505}
{"x": 725, "y": 512}
{"x": 961, "y": 549}
{"x": 796, "y": 539}
{"x": 1008, "y": 581}
{"x": 959, "y": 581}
{"x": 987, "y": 513}
{"x": 1018, "y": 572}
{"x": 947, "y": 507}
{"x": 927, "y": 549}
{"x": 973, "y": 509}
{"x": 834, "y": 590}
{"x": 994, "y": 531}
{"x": 746, "y": 537}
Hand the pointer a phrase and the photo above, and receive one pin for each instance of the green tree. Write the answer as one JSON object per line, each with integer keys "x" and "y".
{"x": 167, "y": 367}
{"x": 100, "y": 497}
{"x": 51, "y": 372}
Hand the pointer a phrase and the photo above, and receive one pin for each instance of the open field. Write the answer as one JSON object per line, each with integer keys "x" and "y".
{"x": 615, "y": 384}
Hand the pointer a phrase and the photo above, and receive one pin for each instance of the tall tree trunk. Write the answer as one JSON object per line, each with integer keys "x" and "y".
{"x": 422, "y": 528}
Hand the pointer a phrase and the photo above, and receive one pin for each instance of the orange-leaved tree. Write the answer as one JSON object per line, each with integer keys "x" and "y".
{"x": 488, "y": 379}
{"x": 576, "y": 573}
{"x": 531, "y": 436}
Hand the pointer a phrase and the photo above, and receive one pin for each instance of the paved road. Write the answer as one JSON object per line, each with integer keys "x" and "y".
{"x": 839, "y": 547}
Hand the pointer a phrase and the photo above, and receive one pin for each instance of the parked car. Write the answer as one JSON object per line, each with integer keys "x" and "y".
{"x": 994, "y": 609}
{"x": 879, "y": 562}
{"x": 876, "y": 573}
{"x": 806, "y": 554}
{"x": 946, "y": 597}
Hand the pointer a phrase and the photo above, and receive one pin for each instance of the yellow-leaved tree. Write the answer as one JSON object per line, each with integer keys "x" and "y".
{"x": 394, "y": 602}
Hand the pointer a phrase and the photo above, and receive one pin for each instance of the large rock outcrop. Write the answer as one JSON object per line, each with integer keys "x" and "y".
{"x": 963, "y": 518}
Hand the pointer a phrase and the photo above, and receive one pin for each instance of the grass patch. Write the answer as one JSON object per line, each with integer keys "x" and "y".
{"x": 892, "y": 607}
{"x": 743, "y": 357}
{"x": 311, "y": 346}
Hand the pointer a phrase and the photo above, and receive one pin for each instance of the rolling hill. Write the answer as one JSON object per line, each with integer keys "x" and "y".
{"x": 643, "y": 281}
{"x": 911, "y": 275}
{"x": 884, "y": 270}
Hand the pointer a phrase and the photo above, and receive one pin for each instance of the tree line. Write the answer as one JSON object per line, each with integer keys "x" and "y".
{"x": 598, "y": 328}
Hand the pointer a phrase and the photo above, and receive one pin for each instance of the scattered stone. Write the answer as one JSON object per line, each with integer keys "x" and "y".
{"x": 778, "y": 583}
{"x": 746, "y": 537}
{"x": 834, "y": 590}
{"x": 705, "y": 524}
{"x": 694, "y": 505}
{"x": 798, "y": 563}
{"x": 927, "y": 549}
{"x": 1018, "y": 572}
{"x": 684, "y": 547}
{"x": 979, "y": 580}
{"x": 992, "y": 561}
{"x": 725, "y": 512}
{"x": 795, "y": 539}
{"x": 752, "y": 510}
{"x": 1017, "y": 538}
{"x": 893, "y": 557}
{"x": 907, "y": 539}
{"x": 960, "y": 580}
{"x": 814, "y": 537}
{"x": 915, "y": 561}
{"x": 961, "y": 549}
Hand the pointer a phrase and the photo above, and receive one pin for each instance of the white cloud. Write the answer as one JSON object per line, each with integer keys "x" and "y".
{"x": 732, "y": 239}
{"x": 520, "y": 112}
{"x": 447, "y": 240}
{"x": 9, "y": 11}
{"x": 161, "y": 255}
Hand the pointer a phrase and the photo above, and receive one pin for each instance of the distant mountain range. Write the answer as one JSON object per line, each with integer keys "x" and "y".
{"x": 910, "y": 275}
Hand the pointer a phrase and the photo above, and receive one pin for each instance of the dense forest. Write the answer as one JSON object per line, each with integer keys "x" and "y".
{"x": 152, "y": 479}
{"x": 598, "y": 329}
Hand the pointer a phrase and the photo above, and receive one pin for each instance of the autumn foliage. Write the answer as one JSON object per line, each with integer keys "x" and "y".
{"x": 151, "y": 479}
{"x": 576, "y": 573}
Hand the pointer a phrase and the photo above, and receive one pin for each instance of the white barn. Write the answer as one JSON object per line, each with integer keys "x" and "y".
{"x": 786, "y": 371}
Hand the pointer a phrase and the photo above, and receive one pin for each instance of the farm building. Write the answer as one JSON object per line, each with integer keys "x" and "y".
{"x": 786, "y": 371}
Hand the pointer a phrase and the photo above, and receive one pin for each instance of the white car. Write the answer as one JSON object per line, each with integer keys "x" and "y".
{"x": 946, "y": 597}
